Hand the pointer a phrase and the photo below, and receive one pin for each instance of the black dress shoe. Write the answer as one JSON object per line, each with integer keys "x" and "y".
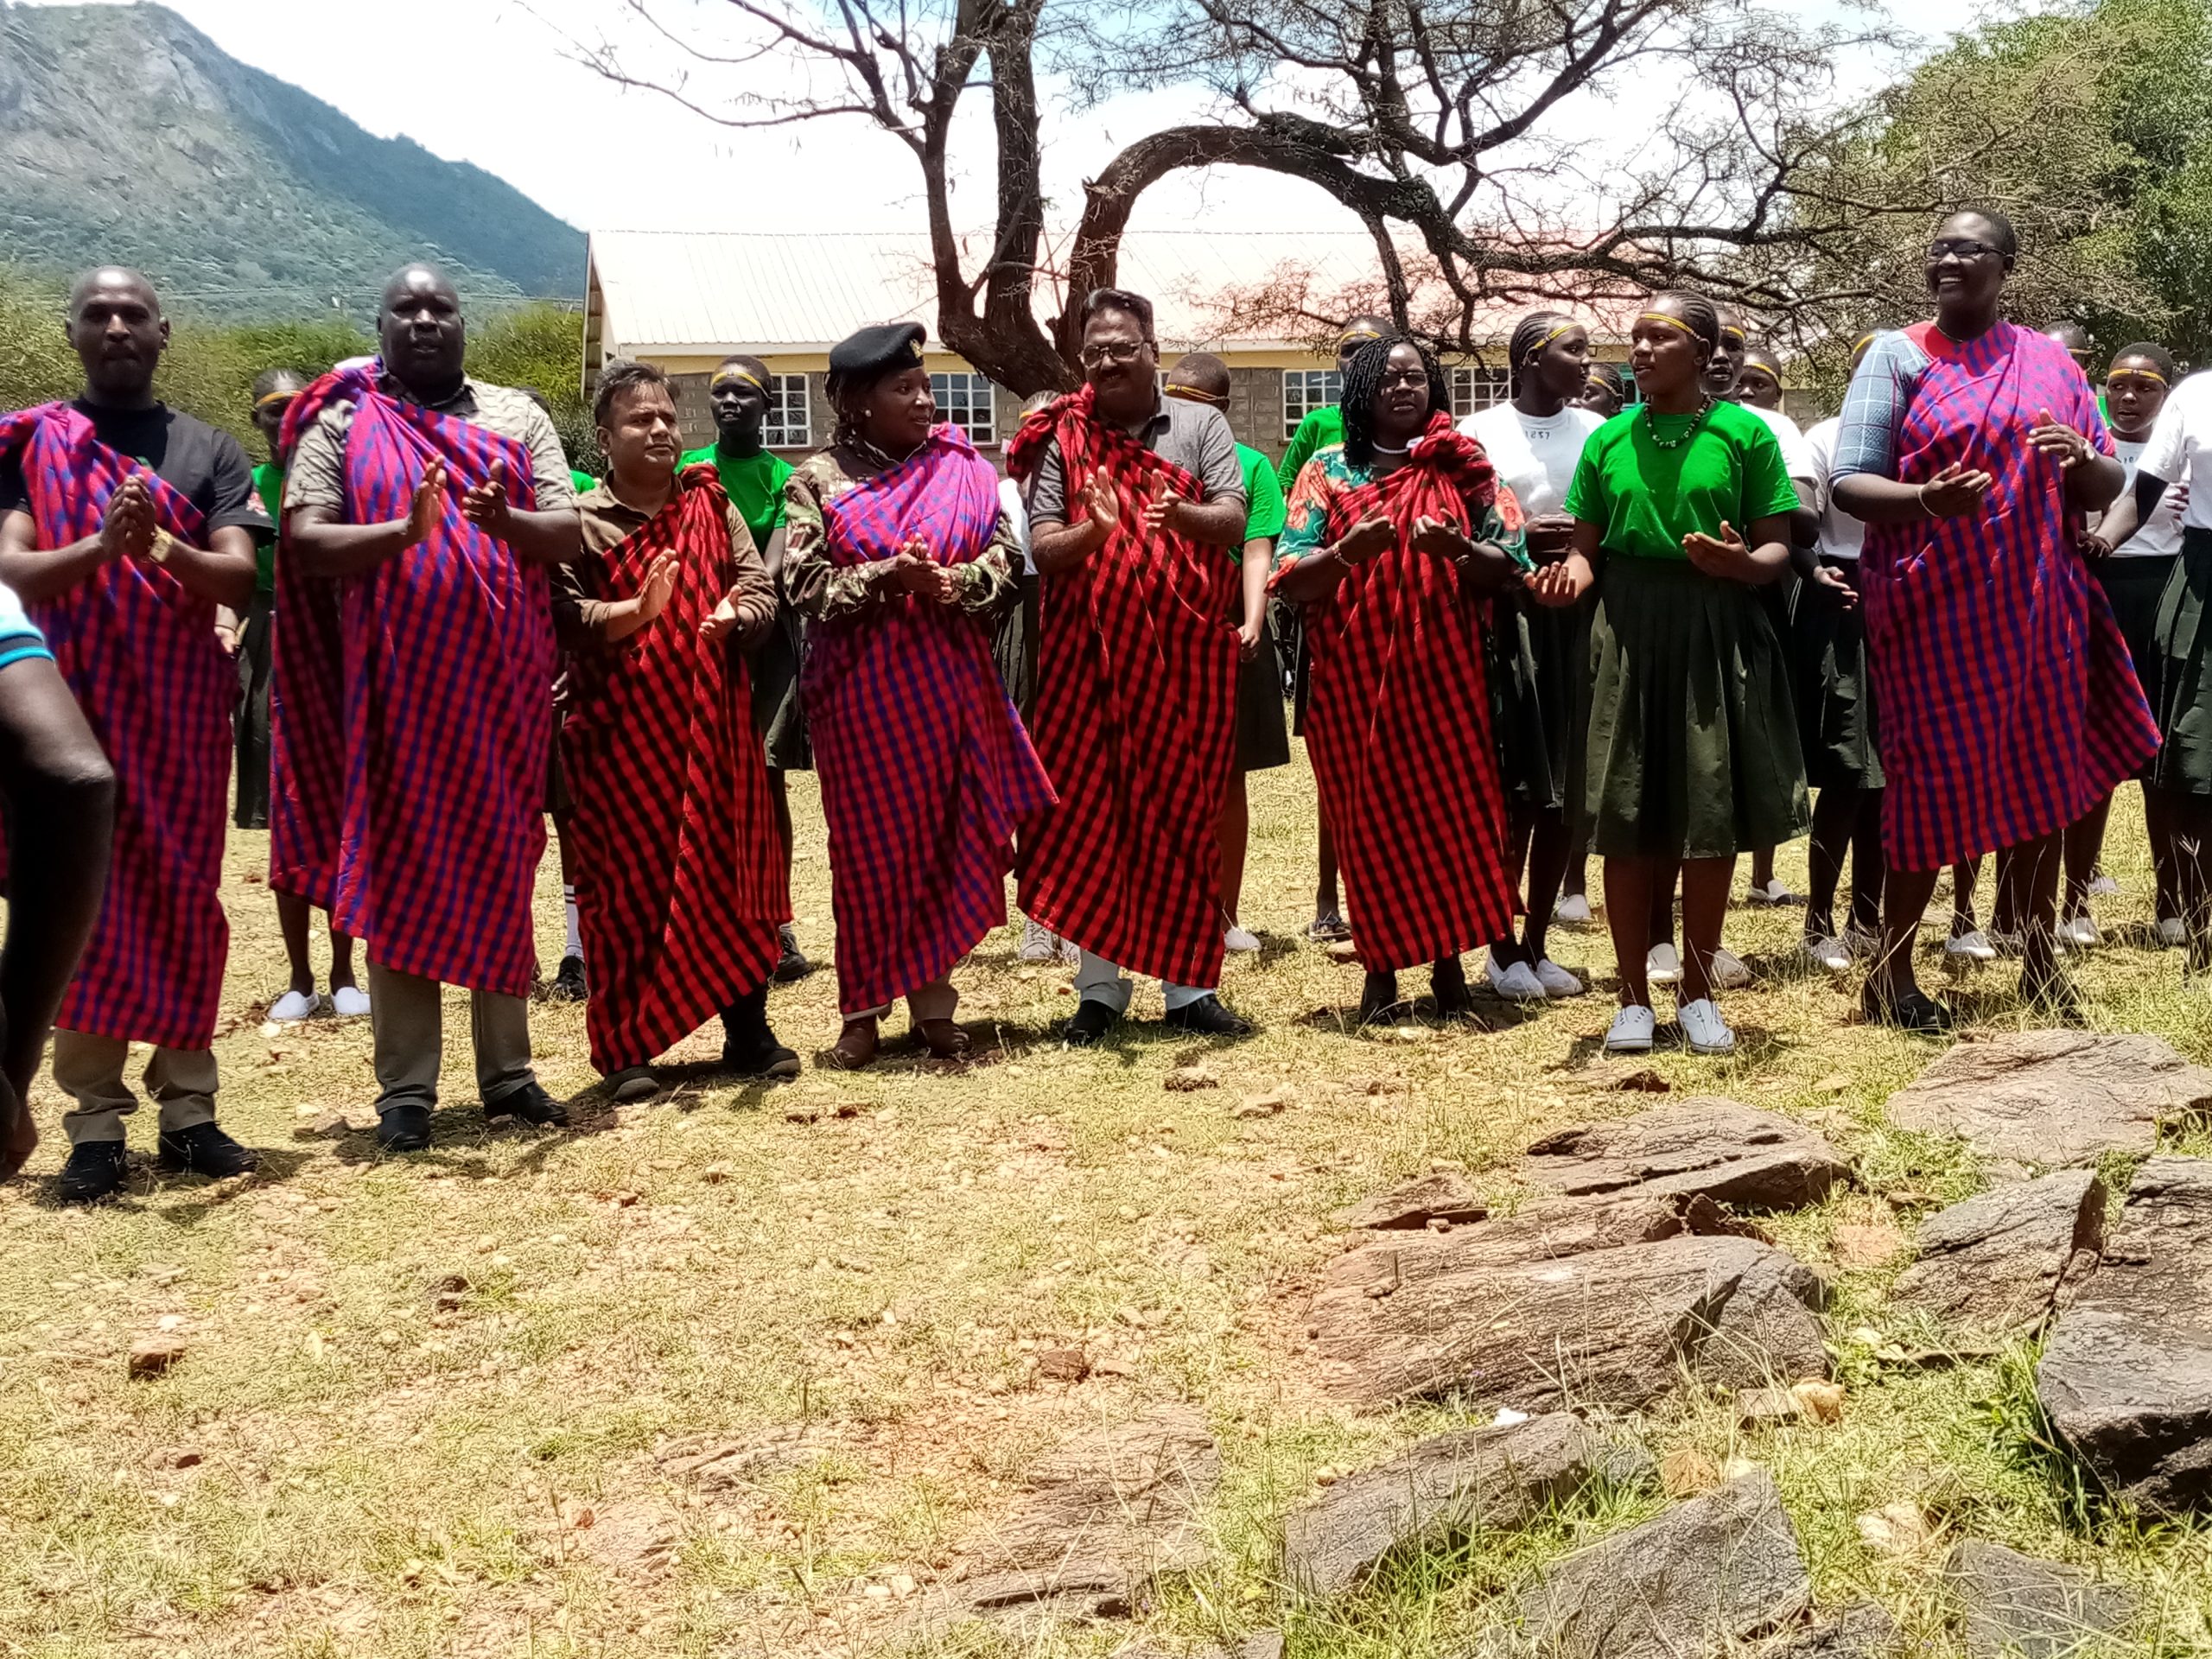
{"x": 532, "y": 1105}
{"x": 749, "y": 1048}
{"x": 1916, "y": 1011}
{"x": 569, "y": 984}
{"x": 1092, "y": 1022}
{"x": 96, "y": 1170}
{"x": 1447, "y": 984}
{"x": 1378, "y": 998}
{"x": 203, "y": 1150}
{"x": 1209, "y": 1017}
{"x": 792, "y": 964}
{"x": 404, "y": 1127}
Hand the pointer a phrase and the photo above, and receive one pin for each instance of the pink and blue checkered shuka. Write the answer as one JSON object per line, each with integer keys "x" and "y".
{"x": 139, "y": 651}
{"x": 926, "y": 772}
{"x": 448, "y": 666}
{"x": 2007, "y": 703}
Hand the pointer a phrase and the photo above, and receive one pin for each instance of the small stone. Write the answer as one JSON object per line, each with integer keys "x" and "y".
{"x": 1645, "y": 1081}
{"x": 1258, "y": 1106}
{"x": 1834, "y": 1084}
{"x": 1860, "y": 1244}
{"x": 151, "y": 1355}
{"x": 1895, "y": 1530}
{"x": 1188, "y": 1079}
{"x": 1063, "y": 1365}
{"x": 1685, "y": 1473}
{"x": 714, "y": 1174}
{"x": 326, "y": 1126}
{"x": 1821, "y": 1401}
{"x": 1761, "y": 1406}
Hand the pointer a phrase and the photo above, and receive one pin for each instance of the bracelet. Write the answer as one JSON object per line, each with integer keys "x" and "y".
{"x": 163, "y": 545}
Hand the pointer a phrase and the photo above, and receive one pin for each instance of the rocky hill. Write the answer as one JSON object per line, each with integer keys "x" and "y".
{"x": 126, "y": 134}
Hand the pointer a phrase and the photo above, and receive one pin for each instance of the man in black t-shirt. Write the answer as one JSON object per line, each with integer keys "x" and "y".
{"x": 124, "y": 525}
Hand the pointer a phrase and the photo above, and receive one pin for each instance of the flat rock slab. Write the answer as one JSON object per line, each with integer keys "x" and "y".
{"x": 1705, "y": 1146}
{"x": 2015, "y": 1607}
{"x": 1443, "y": 1196}
{"x": 1102, "y": 1515}
{"x": 2054, "y": 1098}
{"x": 1861, "y": 1630}
{"x": 2126, "y": 1372}
{"x": 1611, "y": 1327}
{"x": 2003, "y": 1263}
{"x": 1440, "y": 1489}
{"x": 1705, "y": 1579}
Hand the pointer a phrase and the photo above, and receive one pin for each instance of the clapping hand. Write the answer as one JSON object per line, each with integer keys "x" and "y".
{"x": 917, "y": 573}
{"x": 129, "y": 524}
{"x": 659, "y": 583}
{"x": 1724, "y": 554}
{"x": 2054, "y": 437}
{"x": 745, "y": 622}
{"x": 1561, "y": 584}
{"x": 1368, "y": 539}
{"x": 424, "y": 511}
{"x": 1956, "y": 489}
{"x": 487, "y": 506}
{"x": 1101, "y": 511}
{"x": 1160, "y": 510}
{"x": 1839, "y": 593}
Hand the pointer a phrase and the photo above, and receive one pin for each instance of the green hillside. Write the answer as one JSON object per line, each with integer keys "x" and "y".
{"x": 127, "y": 135}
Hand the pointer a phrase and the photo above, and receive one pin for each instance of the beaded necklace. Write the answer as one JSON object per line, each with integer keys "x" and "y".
{"x": 1651, "y": 423}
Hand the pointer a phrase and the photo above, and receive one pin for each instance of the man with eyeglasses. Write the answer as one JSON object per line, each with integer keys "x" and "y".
{"x": 1135, "y": 505}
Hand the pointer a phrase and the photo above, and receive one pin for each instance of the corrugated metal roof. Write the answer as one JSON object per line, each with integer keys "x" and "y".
{"x": 708, "y": 290}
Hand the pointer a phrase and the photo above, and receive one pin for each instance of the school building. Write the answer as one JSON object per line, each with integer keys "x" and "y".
{"x": 684, "y": 300}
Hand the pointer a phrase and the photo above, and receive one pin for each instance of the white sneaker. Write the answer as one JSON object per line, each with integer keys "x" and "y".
{"x": 1704, "y": 1029}
{"x": 1663, "y": 966}
{"x": 1574, "y": 909}
{"x": 1630, "y": 1032}
{"x": 2103, "y": 887}
{"x": 1557, "y": 980}
{"x": 1236, "y": 938}
{"x": 1831, "y": 954}
{"x": 1970, "y": 947}
{"x": 293, "y": 1007}
{"x": 350, "y": 1002}
{"x": 1038, "y": 944}
{"x": 1861, "y": 944}
{"x": 1729, "y": 973}
{"x": 2171, "y": 934}
{"x": 2080, "y": 931}
{"x": 1773, "y": 893}
{"x": 1071, "y": 953}
{"x": 1518, "y": 983}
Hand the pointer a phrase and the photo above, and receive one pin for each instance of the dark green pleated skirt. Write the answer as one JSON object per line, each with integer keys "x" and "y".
{"x": 2181, "y": 693}
{"x": 1014, "y": 645}
{"x": 1262, "y": 738}
{"x": 2134, "y": 589}
{"x": 250, "y": 727}
{"x": 1834, "y": 699}
{"x": 1692, "y": 748}
{"x": 1538, "y": 668}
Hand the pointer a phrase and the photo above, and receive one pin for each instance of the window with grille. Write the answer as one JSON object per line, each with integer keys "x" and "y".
{"x": 789, "y": 424}
{"x": 966, "y": 400}
{"x": 1476, "y": 389}
{"x": 1305, "y": 391}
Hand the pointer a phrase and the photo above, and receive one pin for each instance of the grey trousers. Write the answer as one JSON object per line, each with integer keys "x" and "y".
{"x": 407, "y": 1023}
{"x": 89, "y": 1070}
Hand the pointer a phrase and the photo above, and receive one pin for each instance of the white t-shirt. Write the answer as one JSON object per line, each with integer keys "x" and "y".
{"x": 2160, "y": 535}
{"x": 1012, "y": 504}
{"x": 2180, "y": 450}
{"x": 1796, "y": 458}
{"x": 1842, "y": 536}
{"x": 1535, "y": 455}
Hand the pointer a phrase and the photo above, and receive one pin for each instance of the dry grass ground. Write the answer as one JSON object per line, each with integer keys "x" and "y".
{"x": 436, "y": 1405}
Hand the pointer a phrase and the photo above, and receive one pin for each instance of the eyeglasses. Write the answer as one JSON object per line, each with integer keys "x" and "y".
{"x": 1403, "y": 377}
{"x": 1112, "y": 351}
{"x": 1962, "y": 247}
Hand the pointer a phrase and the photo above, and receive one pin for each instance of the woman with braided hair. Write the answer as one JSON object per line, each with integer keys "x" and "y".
{"x": 1535, "y": 443}
{"x": 1398, "y": 541}
{"x": 1682, "y": 509}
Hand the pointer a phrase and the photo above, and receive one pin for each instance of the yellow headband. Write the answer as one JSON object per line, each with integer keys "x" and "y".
{"x": 268, "y": 397}
{"x": 2148, "y": 374}
{"x": 1864, "y": 340}
{"x": 1660, "y": 316}
{"x": 1564, "y": 328}
{"x": 1731, "y": 328}
{"x": 1193, "y": 393}
{"x": 1350, "y": 334}
{"x": 745, "y": 375}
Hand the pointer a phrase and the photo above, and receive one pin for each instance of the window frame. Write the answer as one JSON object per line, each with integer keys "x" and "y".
{"x": 1331, "y": 387}
{"x": 1462, "y": 380}
{"x": 981, "y": 392}
{"x": 788, "y": 393}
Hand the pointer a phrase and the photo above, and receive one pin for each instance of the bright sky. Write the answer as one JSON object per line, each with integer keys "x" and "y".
{"x": 490, "y": 81}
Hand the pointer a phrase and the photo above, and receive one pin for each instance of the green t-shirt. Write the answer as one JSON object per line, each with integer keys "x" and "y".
{"x": 269, "y": 484}
{"x": 754, "y": 485}
{"x": 1644, "y": 500}
{"x": 582, "y": 483}
{"x": 1320, "y": 428}
{"x": 1263, "y": 514}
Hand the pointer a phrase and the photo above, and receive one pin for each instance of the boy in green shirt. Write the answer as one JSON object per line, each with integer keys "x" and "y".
{"x": 753, "y": 479}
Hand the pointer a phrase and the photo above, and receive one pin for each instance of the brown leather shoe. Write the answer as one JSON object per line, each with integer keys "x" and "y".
{"x": 855, "y": 1046}
{"x": 945, "y": 1039}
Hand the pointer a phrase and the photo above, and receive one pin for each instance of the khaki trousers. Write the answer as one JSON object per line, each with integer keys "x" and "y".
{"x": 407, "y": 1023}
{"x": 89, "y": 1070}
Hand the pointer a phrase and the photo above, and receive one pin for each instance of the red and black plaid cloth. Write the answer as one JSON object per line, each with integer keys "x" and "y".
{"x": 1398, "y": 721}
{"x": 926, "y": 772}
{"x": 447, "y": 660}
{"x": 139, "y": 651}
{"x": 1134, "y": 716}
{"x": 680, "y": 882}
{"x": 307, "y": 736}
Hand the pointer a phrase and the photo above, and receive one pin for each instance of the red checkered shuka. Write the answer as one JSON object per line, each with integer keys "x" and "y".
{"x": 448, "y": 660}
{"x": 1397, "y": 719}
{"x": 2006, "y": 702}
{"x": 926, "y": 772}
{"x": 1134, "y": 716}
{"x": 680, "y": 881}
{"x": 307, "y": 735}
{"x": 139, "y": 649}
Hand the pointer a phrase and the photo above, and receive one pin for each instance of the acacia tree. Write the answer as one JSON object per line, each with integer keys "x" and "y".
{"x": 1442, "y": 125}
